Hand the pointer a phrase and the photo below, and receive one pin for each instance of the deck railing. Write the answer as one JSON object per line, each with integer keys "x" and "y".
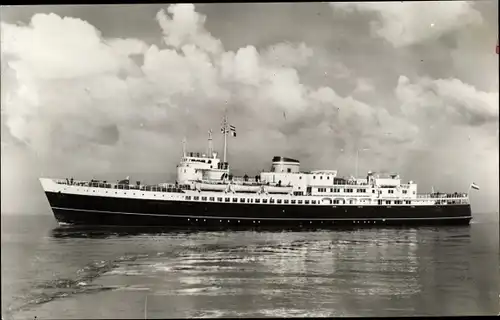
{"x": 121, "y": 186}
{"x": 442, "y": 195}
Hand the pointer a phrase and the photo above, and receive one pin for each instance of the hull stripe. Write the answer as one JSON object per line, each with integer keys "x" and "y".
{"x": 255, "y": 218}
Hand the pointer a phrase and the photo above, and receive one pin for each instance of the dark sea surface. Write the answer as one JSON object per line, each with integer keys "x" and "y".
{"x": 56, "y": 272}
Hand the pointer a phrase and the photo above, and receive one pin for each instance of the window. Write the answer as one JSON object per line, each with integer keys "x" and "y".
{"x": 288, "y": 170}
{"x": 219, "y": 199}
{"x": 257, "y": 200}
{"x": 271, "y": 200}
{"x": 227, "y": 199}
{"x": 212, "y": 199}
{"x": 293, "y": 201}
{"x": 188, "y": 197}
{"x": 204, "y": 198}
{"x": 235, "y": 199}
{"x": 300, "y": 201}
{"x": 285, "y": 201}
{"x": 313, "y": 202}
{"x": 249, "y": 200}
{"x": 405, "y": 191}
{"x": 321, "y": 177}
{"x": 336, "y": 201}
{"x": 328, "y": 178}
{"x": 196, "y": 198}
{"x": 373, "y": 190}
{"x": 331, "y": 189}
{"x": 380, "y": 202}
{"x": 306, "y": 201}
{"x": 278, "y": 201}
{"x": 264, "y": 200}
{"x": 314, "y": 177}
{"x": 408, "y": 202}
{"x": 300, "y": 177}
{"x": 391, "y": 191}
{"x": 242, "y": 200}
{"x": 388, "y": 202}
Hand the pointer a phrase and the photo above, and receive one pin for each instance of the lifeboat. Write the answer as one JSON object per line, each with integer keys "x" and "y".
{"x": 203, "y": 186}
{"x": 278, "y": 189}
{"x": 245, "y": 188}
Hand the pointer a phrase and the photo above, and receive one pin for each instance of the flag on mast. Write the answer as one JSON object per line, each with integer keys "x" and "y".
{"x": 474, "y": 186}
{"x": 233, "y": 130}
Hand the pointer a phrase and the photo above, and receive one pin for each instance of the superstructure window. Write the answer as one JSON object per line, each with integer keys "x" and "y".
{"x": 388, "y": 202}
{"x": 219, "y": 199}
{"x": 188, "y": 197}
{"x": 257, "y": 200}
{"x": 242, "y": 200}
{"x": 405, "y": 191}
{"x": 204, "y": 198}
{"x": 391, "y": 191}
{"x": 313, "y": 202}
{"x": 300, "y": 201}
{"x": 293, "y": 201}
{"x": 227, "y": 199}
{"x": 306, "y": 201}
{"x": 235, "y": 199}
{"x": 285, "y": 201}
{"x": 196, "y": 198}
{"x": 264, "y": 200}
{"x": 408, "y": 202}
{"x": 212, "y": 199}
{"x": 271, "y": 200}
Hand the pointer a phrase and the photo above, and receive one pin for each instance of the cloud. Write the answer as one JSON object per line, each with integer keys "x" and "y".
{"x": 186, "y": 26}
{"x": 123, "y": 105}
{"x": 406, "y": 23}
{"x": 447, "y": 100}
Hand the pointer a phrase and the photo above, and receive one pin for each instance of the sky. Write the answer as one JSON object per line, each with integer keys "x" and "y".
{"x": 107, "y": 91}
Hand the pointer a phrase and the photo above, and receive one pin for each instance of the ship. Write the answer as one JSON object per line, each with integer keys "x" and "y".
{"x": 207, "y": 195}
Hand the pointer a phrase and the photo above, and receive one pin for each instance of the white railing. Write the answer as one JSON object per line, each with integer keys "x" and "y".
{"x": 120, "y": 186}
{"x": 442, "y": 196}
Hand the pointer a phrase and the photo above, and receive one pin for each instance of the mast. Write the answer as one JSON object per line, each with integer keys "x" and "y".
{"x": 184, "y": 146}
{"x": 210, "y": 144}
{"x": 224, "y": 131}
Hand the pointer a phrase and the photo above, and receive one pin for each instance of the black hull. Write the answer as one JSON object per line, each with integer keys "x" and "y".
{"x": 106, "y": 211}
